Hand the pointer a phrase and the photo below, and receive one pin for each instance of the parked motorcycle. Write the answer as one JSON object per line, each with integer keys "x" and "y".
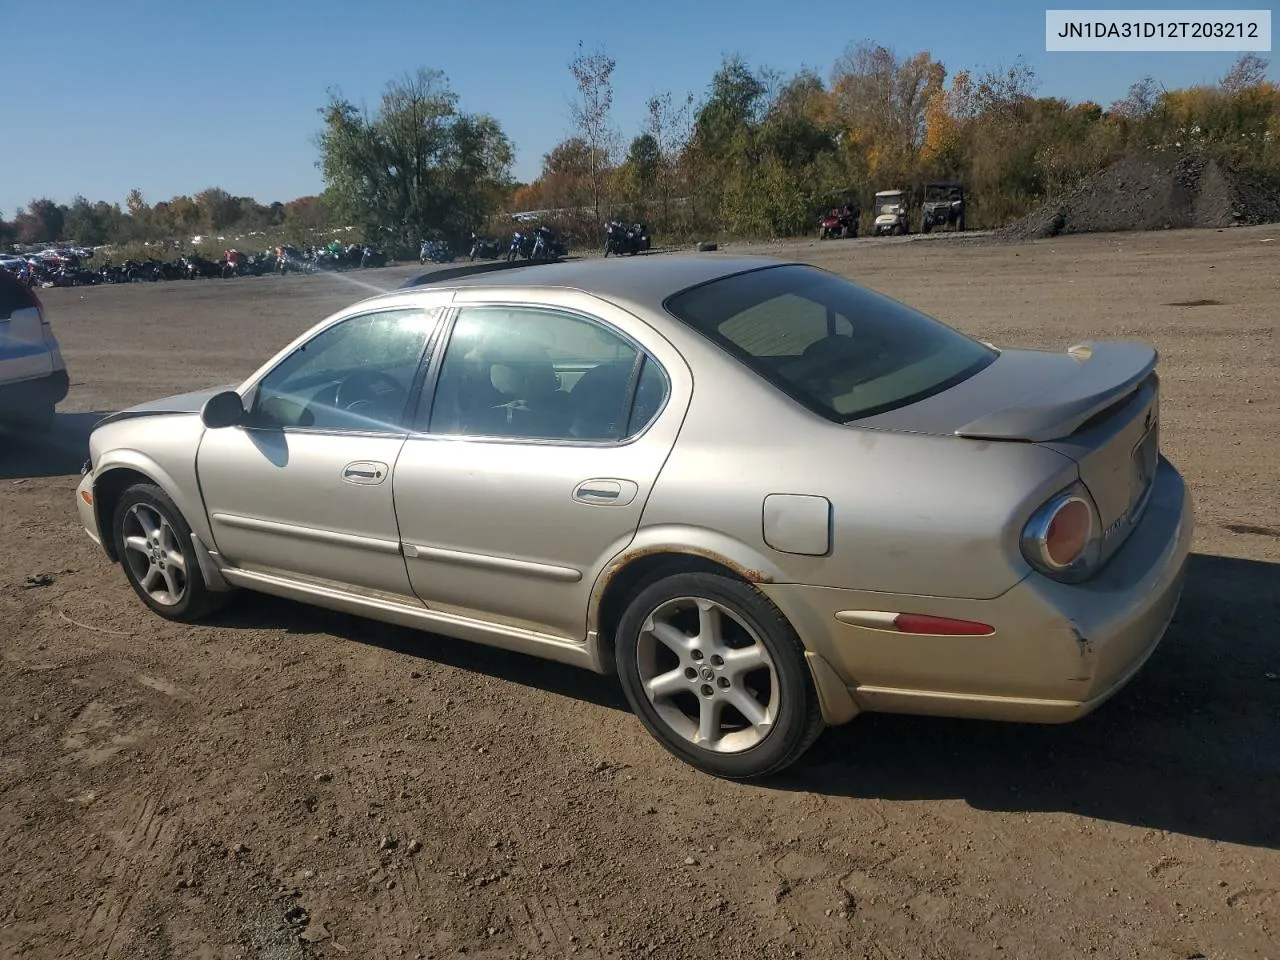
{"x": 626, "y": 238}
{"x": 370, "y": 257}
{"x": 484, "y": 248}
{"x": 546, "y": 245}
{"x": 435, "y": 251}
{"x": 521, "y": 245}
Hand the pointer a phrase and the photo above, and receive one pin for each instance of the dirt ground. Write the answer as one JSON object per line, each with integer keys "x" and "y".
{"x": 288, "y": 782}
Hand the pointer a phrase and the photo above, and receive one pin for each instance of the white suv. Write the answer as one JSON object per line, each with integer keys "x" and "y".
{"x": 33, "y": 378}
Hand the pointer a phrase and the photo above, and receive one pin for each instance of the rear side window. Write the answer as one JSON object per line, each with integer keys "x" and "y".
{"x": 14, "y": 296}
{"x": 536, "y": 373}
{"x": 843, "y": 351}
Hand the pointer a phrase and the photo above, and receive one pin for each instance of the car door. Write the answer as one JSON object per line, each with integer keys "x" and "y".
{"x": 532, "y": 460}
{"x": 303, "y": 486}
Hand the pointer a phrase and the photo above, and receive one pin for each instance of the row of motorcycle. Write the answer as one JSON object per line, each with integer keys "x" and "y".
{"x": 70, "y": 271}
{"x": 540, "y": 243}
{"x": 334, "y": 256}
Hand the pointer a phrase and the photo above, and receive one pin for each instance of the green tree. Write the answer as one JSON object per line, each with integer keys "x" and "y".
{"x": 723, "y": 139}
{"x": 140, "y": 226}
{"x": 184, "y": 216}
{"x": 81, "y": 224}
{"x": 41, "y": 222}
{"x": 218, "y": 209}
{"x": 645, "y": 159}
{"x": 417, "y": 163}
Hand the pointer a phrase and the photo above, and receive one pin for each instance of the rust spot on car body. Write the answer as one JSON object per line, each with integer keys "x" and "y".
{"x": 750, "y": 574}
{"x": 747, "y": 573}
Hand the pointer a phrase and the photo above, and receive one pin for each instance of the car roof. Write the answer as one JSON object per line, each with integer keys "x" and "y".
{"x": 647, "y": 280}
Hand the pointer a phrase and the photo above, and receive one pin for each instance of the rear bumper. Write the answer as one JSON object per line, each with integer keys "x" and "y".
{"x": 1058, "y": 652}
{"x": 22, "y": 396}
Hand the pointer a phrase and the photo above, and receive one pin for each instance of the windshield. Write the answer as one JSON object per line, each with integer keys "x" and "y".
{"x": 843, "y": 351}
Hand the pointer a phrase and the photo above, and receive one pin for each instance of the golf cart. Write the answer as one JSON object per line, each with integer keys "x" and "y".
{"x": 943, "y": 205}
{"x": 891, "y": 213}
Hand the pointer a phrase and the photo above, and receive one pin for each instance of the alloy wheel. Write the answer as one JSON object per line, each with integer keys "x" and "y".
{"x": 709, "y": 676}
{"x": 154, "y": 554}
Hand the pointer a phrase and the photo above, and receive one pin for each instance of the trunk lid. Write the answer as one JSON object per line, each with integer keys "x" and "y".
{"x": 1097, "y": 403}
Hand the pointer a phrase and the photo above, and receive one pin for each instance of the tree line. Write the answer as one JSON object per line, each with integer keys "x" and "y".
{"x": 210, "y": 211}
{"x": 758, "y": 154}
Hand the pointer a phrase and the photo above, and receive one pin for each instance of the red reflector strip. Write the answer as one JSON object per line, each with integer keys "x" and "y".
{"x": 921, "y": 623}
{"x": 948, "y": 626}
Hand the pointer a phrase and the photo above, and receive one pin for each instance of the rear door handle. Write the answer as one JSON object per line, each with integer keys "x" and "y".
{"x": 606, "y": 492}
{"x": 365, "y": 471}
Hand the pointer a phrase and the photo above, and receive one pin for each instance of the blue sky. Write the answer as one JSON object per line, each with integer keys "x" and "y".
{"x": 173, "y": 100}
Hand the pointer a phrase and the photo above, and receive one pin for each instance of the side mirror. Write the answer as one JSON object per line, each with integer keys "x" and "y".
{"x": 224, "y": 409}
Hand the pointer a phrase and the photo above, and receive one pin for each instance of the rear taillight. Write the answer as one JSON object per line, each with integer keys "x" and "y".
{"x": 1063, "y": 537}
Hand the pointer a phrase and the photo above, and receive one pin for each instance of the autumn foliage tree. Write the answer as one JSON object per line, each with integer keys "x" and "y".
{"x": 756, "y": 154}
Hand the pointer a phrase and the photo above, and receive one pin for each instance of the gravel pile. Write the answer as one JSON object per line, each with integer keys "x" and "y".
{"x": 1157, "y": 190}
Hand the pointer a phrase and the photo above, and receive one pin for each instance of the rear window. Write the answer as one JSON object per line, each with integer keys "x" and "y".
{"x": 843, "y": 351}
{"x": 14, "y": 295}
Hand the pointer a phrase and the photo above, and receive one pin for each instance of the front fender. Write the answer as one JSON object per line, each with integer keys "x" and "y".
{"x": 182, "y": 490}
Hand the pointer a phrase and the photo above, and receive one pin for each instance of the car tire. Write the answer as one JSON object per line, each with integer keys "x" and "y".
{"x": 726, "y": 616}
{"x": 146, "y": 511}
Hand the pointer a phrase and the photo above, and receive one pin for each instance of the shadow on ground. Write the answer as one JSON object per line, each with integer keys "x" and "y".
{"x": 62, "y": 451}
{"x": 259, "y": 611}
{"x": 1192, "y": 745}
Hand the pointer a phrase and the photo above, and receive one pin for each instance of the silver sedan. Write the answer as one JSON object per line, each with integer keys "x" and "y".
{"x": 765, "y": 497}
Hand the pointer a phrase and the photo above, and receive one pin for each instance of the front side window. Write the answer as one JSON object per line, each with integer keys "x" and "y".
{"x": 542, "y": 374}
{"x": 843, "y": 351}
{"x": 354, "y": 375}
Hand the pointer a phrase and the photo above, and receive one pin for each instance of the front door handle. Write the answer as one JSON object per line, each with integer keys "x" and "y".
{"x": 606, "y": 492}
{"x": 365, "y": 471}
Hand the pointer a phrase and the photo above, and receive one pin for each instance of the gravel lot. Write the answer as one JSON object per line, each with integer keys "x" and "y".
{"x": 288, "y": 782}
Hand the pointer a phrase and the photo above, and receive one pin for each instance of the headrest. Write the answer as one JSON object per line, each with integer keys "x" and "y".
{"x": 526, "y": 380}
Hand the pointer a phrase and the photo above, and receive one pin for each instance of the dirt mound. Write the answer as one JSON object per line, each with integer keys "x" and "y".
{"x": 1158, "y": 190}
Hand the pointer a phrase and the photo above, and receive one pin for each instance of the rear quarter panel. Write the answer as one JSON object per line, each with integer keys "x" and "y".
{"x": 910, "y": 514}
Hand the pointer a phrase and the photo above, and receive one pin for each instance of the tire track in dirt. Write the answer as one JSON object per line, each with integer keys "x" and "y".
{"x": 361, "y": 790}
{"x": 549, "y": 928}
{"x": 142, "y": 850}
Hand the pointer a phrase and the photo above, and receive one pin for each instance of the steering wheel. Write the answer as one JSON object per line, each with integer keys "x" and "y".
{"x": 369, "y": 389}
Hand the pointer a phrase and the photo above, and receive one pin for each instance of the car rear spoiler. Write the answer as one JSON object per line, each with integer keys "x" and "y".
{"x": 470, "y": 269}
{"x": 1107, "y": 373}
